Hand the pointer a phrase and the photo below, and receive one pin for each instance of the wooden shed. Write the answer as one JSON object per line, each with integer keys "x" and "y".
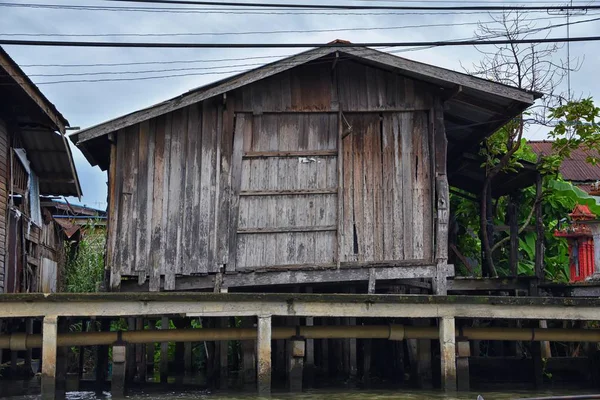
{"x": 327, "y": 166}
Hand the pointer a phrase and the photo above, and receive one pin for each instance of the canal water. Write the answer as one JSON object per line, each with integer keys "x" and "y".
{"x": 315, "y": 395}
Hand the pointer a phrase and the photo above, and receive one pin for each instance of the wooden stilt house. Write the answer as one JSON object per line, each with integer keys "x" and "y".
{"x": 35, "y": 160}
{"x": 327, "y": 166}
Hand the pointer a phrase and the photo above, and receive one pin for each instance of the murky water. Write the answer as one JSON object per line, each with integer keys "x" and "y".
{"x": 347, "y": 394}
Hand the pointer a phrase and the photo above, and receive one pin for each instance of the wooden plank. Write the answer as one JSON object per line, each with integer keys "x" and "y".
{"x": 241, "y": 126}
{"x": 407, "y": 165}
{"x": 174, "y": 214}
{"x": 209, "y": 122}
{"x": 112, "y": 208}
{"x": 358, "y": 132}
{"x": 340, "y": 250}
{"x": 349, "y": 251}
{"x": 287, "y": 192}
{"x": 377, "y": 188}
{"x": 425, "y": 184}
{"x": 159, "y": 199}
{"x": 223, "y": 244}
{"x": 190, "y": 193}
{"x": 398, "y": 197}
{"x": 443, "y": 212}
{"x": 127, "y": 234}
{"x": 371, "y": 129}
{"x": 289, "y": 153}
{"x": 387, "y": 182}
{"x": 143, "y": 188}
{"x": 420, "y": 164}
{"x": 288, "y": 229}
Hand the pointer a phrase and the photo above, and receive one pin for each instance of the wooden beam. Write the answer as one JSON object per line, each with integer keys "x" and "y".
{"x": 28, "y": 87}
{"x": 291, "y": 192}
{"x": 282, "y": 154}
{"x": 287, "y": 229}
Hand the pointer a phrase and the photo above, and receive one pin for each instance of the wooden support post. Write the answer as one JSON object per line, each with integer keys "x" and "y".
{"x": 248, "y": 356}
{"x": 513, "y": 257}
{"x": 223, "y": 355}
{"x": 463, "y": 352}
{"x": 150, "y": 352}
{"x": 49, "y": 341}
{"x": 448, "y": 353}
{"x": 546, "y": 351}
{"x": 297, "y": 351}
{"x": 324, "y": 364}
{"x": 367, "y": 348}
{"x": 309, "y": 360}
{"x": 164, "y": 353}
{"x": 140, "y": 353}
{"x": 538, "y": 365}
{"x": 180, "y": 324}
{"x": 62, "y": 360}
{"x": 102, "y": 360}
{"x": 119, "y": 370}
{"x": 130, "y": 368}
{"x": 263, "y": 355}
{"x": 440, "y": 145}
{"x": 29, "y": 331}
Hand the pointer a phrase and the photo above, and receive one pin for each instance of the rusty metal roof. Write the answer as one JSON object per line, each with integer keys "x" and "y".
{"x": 38, "y": 120}
{"x": 575, "y": 169}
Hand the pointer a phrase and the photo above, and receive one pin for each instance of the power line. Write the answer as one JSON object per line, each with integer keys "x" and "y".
{"x": 270, "y": 32}
{"x": 356, "y": 7}
{"x": 531, "y": 30}
{"x": 298, "y": 11}
{"x": 54, "y": 43}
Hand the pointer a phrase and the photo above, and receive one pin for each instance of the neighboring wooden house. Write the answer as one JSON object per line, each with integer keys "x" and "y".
{"x": 574, "y": 169}
{"x": 327, "y": 166}
{"x": 35, "y": 161}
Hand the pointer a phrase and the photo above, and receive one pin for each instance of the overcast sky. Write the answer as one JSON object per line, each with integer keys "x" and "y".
{"x": 87, "y": 104}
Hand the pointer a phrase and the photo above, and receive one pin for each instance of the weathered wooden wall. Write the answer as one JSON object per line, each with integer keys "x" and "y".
{"x": 308, "y": 167}
{"x": 3, "y": 198}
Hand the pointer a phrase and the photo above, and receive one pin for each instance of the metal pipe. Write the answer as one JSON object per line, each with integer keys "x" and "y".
{"x": 21, "y": 341}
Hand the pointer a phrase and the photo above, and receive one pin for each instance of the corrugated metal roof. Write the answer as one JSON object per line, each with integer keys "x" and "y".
{"x": 575, "y": 168}
{"x": 49, "y": 159}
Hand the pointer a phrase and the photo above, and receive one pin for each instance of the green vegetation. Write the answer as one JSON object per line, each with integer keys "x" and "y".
{"x": 576, "y": 127}
{"x": 85, "y": 261}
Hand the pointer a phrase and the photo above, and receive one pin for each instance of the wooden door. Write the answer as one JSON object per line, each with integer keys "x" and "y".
{"x": 387, "y": 187}
{"x": 288, "y": 190}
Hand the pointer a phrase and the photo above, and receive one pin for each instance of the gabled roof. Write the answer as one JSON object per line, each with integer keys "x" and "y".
{"x": 575, "y": 168}
{"x": 38, "y": 119}
{"x": 480, "y": 107}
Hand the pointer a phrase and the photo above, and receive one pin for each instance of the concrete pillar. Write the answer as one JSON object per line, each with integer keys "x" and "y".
{"x": 49, "y": 340}
{"x": 448, "y": 353}
{"x": 297, "y": 351}
{"x": 263, "y": 355}
{"x": 463, "y": 352}
{"x": 119, "y": 369}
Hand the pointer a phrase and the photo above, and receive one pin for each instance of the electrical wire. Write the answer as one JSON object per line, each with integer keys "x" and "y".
{"x": 258, "y": 11}
{"x": 356, "y": 7}
{"x": 172, "y": 45}
{"x": 526, "y": 31}
{"x": 376, "y": 28}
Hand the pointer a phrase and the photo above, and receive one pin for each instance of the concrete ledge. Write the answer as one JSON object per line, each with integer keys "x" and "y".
{"x": 314, "y": 305}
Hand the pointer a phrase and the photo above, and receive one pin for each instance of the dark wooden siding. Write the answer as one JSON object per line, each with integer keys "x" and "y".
{"x": 253, "y": 180}
{"x": 3, "y": 198}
